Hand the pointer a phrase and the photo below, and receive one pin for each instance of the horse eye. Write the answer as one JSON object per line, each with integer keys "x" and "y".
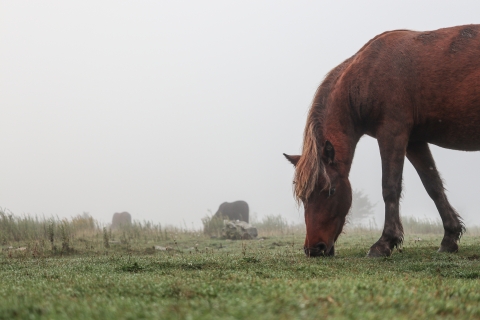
{"x": 331, "y": 191}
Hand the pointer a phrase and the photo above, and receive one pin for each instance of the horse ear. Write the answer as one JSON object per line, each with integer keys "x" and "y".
{"x": 329, "y": 152}
{"x": 293, "y": 159}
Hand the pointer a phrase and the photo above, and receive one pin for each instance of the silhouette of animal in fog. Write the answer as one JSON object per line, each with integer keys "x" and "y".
{"x": 407, "y": 89}
{"x": 122, "y": 218}
{"x": 237, "y": 210}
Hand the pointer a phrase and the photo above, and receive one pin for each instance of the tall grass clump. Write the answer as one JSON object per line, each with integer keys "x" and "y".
{"x": 65, "y": 233}
{"x": 356, "y": 226}
{"x": 413, "y": 225}
{"x": 49, "y": 228}
{"x": 473, "y": 230}
{"x": 27, "y": 229}
{"x": 212, "y": 226}
{"x": 144, "y": 232}
{"x": 276, "y": 225}
{"x": 106, "y": 242}
{"x": 14, "y": 228}
{"x": 82, "y": 233}
{"x": 83, "y": 222}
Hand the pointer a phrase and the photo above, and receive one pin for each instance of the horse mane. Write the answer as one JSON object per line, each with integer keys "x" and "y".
{"x": 310, "y": 166}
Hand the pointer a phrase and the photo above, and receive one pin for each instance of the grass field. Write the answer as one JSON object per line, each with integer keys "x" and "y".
{"x": 103, "y": 275}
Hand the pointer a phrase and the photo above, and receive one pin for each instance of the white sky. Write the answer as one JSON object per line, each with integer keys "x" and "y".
{"x": 167, "y": 108}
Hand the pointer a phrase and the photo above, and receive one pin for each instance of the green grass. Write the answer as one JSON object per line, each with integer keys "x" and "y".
{"x": 202, "y": 278}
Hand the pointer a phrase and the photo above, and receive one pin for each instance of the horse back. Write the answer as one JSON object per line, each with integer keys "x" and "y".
{"x": 429, "y": 82}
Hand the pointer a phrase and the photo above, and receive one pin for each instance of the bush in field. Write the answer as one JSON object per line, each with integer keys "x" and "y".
{"x": 362, "y": 207}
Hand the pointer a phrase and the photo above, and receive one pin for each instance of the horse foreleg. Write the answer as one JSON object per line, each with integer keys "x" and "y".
{"x": 392, "y": 151}
{"x": 421, "y": 158}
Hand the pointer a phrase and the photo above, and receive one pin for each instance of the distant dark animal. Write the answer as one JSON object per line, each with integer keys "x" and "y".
{"x": 122, "y": 218}
{"x": 406, "y": 89}
{"x": 237, "y": 210}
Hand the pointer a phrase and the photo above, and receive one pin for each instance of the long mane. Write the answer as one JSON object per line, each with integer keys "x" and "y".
{"x": 310, "y": 167}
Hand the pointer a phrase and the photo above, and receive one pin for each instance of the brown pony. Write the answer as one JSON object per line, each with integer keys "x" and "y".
{"x": 406, "y": 89}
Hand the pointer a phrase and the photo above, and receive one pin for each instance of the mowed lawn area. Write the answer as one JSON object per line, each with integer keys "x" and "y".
{"x": 202, "y": 278}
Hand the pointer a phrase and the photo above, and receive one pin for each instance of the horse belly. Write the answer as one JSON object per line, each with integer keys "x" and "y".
{"x": 451, "y": 134}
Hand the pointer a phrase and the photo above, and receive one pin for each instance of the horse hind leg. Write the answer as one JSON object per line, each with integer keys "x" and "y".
{"x": 419, "y": 155}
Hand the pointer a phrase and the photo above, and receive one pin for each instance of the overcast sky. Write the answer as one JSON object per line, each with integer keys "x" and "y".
{"x": 166, "y": 109}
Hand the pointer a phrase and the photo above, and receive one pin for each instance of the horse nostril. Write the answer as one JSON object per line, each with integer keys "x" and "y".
{"x": 321, "y": 246}
{"x": 316, "y": 251}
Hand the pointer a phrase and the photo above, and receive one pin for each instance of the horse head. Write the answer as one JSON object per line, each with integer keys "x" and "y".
{"x": 326, "y": 199}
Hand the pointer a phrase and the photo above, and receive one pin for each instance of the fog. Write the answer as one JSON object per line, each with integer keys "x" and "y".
{"x": 167, "y": 109}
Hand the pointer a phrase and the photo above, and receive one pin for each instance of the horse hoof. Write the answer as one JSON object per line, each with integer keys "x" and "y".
{"x": 376, "y": 252}
{"x": 452, "y": 248}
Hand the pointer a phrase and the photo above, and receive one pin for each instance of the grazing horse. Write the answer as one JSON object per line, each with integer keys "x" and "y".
{"x": 237, "y": 210}
{"x": 406, "y": 89}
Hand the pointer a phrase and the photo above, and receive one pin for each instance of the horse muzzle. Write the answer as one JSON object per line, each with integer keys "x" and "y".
{"x": 320, "y": 250}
